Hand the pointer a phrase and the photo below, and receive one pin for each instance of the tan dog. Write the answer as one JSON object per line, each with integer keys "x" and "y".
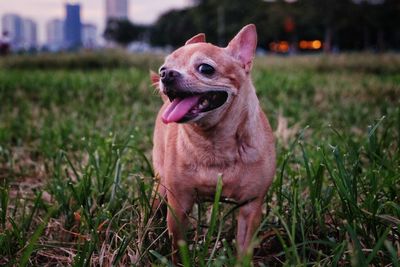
{"x": 211, "y": 123}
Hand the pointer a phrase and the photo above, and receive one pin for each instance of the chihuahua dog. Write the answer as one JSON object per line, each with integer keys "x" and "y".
{"x": 211, "y": 124}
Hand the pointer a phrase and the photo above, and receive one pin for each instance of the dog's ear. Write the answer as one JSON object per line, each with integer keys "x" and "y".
{"x": 199, "y": 38}
{"x": 154, "y": 78}
{"x": 243, "y": 46}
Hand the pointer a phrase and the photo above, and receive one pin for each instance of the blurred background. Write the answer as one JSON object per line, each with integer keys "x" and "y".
{"x": 288, "y": 27}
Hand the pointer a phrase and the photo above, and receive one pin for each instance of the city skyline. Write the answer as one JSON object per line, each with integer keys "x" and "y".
{"x": 20, "y": 31}
{"x": 68, "y": 33}
{"x": 93, "y": 12}
{"x": 55, "y": 34}
{"x": 73, "y": 26}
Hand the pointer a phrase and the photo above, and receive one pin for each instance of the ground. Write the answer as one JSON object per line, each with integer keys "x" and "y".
{"x": 76, "y": 174}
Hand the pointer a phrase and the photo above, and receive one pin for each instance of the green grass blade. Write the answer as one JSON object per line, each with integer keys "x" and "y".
{"x": 377, "y": 246}
{"x": 161, "y": 258}
{"x": 372, "y": 130}
{"x": 28, "y": 221}
{"x": 338, "y": 253}
{"x": 35, "y": 237}
{"x": 184, "y": 252}
{"x": 116, "y": 183}
{"x": 3, "y": 204}
{"x": 393, "y": 254}
{"x": 359, "y": 259}
{"x": 214, "y": 215}
{"x": 121, "y": 250}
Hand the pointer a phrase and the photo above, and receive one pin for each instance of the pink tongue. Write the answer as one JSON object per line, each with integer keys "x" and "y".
{"x": 178, "y": 108}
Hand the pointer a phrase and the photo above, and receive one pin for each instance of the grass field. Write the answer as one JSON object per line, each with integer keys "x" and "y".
{"x": 76, "y": 175}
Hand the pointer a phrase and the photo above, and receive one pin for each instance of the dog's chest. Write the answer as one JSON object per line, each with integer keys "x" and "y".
{"x": 200, "y": 162}
{"x": 203, "y": 179}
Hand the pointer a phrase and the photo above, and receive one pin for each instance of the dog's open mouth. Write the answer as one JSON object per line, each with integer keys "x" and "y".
{"x": 186, "y": 106}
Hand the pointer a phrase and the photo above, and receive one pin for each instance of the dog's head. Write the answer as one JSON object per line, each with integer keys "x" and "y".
{"x": 201, "y": 80}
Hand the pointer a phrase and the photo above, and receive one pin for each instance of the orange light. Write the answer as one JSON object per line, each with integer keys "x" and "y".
{"x": 280, "y": 47}
{"x": 273, "y": 46}
{"x": 303, "y": 44}
{"x": 283, "y": 47}
{"x": 312, "y": 45}
{"x": 316, "y": 44}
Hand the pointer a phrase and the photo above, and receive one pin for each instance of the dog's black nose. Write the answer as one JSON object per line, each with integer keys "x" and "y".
{"x": 168, "y": 77}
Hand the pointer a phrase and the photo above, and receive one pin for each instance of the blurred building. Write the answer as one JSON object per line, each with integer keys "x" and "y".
{"x": 116, "y": 9}
{"x": 29, "y": 34}
{"x": 22, "y": 32}
{"x": 55, "y": 34}
{"x": 72, "y": 26}
{"x": 89, "y": 35}
{"x": 12, "y": 24}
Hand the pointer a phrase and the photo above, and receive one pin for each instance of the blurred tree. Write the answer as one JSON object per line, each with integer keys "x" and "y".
{"x": 221, "y": 19}
{"x": 342, "y": 24}
{"x": 174, "y": 28}
{"x": 380, "y": 22}
{"x": 123, "y": 32}
{"x": 390, "y": 21}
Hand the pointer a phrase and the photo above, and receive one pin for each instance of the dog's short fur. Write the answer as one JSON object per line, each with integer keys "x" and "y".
{"x": 193, "y": 145}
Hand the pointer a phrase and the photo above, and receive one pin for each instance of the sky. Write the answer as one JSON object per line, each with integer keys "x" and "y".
{"x": 92, "y": 11}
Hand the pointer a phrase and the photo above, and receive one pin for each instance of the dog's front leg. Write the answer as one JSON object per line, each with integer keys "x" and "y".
{"x": 180, "y": 204}
{"x": 248, "y": 220}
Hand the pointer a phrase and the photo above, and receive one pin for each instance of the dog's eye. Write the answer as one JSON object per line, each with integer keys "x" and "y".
{"x": 206, "y": 69}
